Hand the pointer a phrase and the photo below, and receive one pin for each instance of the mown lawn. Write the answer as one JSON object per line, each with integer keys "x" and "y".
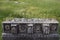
{"x": 29, "y": 9}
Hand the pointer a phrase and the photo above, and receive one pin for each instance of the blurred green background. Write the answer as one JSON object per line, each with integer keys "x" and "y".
{"x": 29, "y": 9}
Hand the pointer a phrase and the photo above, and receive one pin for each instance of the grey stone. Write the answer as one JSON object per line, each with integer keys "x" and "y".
{"x": 30, "y": 29}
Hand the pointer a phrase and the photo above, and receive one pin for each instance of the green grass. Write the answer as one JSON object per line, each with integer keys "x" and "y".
{"x": 29, "y": 9}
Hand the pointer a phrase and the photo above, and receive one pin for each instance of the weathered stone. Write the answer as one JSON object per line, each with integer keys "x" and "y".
{"x": 30, "y": 29}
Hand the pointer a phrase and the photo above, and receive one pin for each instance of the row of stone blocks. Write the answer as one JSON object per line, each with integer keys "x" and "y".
{"x": 30, "y": 37}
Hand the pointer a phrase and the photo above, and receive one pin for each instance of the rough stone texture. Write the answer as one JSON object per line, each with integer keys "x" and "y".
{"x": 30, "y": 29}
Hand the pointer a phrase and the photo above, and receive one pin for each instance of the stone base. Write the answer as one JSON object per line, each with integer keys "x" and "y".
{"x": 7, "y": 36}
